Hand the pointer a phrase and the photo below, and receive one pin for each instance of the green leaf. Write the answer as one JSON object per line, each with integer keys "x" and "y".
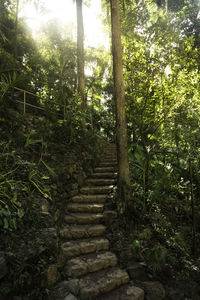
{"x": 5, "y": 223}
{"x": 51, "y": 171}
{"x": 14, "y": 199}
{"x": 20, "y": 213}
{"x": 45, "y": 177}
{"x": 13, "y": 223}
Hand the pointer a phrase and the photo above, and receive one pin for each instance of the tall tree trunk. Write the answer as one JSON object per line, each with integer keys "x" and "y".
{"x": 16, "y": 29}
{"x": 119, "y": 94}
{"x": 193, "y": 209}
{"x": 80, "y": 56}
{"x": 124, "y": 7}
{"x": 166, "y": 5}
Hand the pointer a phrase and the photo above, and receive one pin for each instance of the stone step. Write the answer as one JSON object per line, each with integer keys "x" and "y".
{"x": 110, "y": 152}
{"x": 85, "y": 207}
{"x": 89, "y": 263}
{"x": 100, "y": 181}
{"x": 82, "y": 231}
{"x": 104, "y": 175}
{"x": 96, "y": 190}
{"x": 101, "y": 282}
{"x": 83, "y": 218}
{"x": 107, "y": 164}
{"x": 110, "y": 148}
{"x": 109, "y": 160}
{"x": 76, "y": 248}
{"x": 112, "y": 156}
{"x": 90, "y": 198}
{"x": 125, "y": 292}
{"x": 104, "y": 170}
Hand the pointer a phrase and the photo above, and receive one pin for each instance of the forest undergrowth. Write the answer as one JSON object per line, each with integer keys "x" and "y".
{"x": 41, "y": 167}
{"x": 159, "y": 236}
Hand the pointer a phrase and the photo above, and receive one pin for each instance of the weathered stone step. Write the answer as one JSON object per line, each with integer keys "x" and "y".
{"x": 111, "y": 147}
{"x": 85, "y": 207}
{"x": 89, "y": 263}
{"x": 104, "y": 175}
{"x": 110, "y": 152}
{"x": 112, "y": 156}
{"x": 76, "y": 248}
{"x": 100, "y": 182}
{"x": 104, "y": 169}
{"x": 108, "y": 164}
{"x": 96, "y": 190}
{"x": 101, "y": 282}
{"x": 82, "y": 231}
{"x": 125, "y": 292}
{"x": 90, "y": 198}
{"x": 109, "y": 160}
{"x": 83, "y": 218}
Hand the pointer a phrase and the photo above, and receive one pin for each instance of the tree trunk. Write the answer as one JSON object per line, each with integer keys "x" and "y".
{"x": 193, "y": 210}
{"x": 80, "y": 56}
{"x": 166, "y": 6}
{"x": 16, "y": 29}
{"x": 119, "y": 94}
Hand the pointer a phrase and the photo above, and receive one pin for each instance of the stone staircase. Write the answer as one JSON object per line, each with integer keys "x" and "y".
{"x": 91, "y": 267}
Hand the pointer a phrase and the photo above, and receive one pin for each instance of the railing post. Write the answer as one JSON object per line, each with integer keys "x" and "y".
{"x": 64, "y": 112}
{"x": 24, "y": 102}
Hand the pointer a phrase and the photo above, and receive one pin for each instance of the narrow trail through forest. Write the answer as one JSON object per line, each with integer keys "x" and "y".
{"x": 93, "y": 271}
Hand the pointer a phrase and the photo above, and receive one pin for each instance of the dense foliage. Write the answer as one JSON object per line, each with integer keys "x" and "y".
{"x": 45, "y": 153}
{"x": 161, "y": 71}
{"x": 161, "y": 54}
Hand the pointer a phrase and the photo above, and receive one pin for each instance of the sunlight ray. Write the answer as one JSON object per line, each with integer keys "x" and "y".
{"x": 65, "y": 12}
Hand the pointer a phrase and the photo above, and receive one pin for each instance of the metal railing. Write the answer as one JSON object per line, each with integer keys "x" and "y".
{"x": 25, "y": 103}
